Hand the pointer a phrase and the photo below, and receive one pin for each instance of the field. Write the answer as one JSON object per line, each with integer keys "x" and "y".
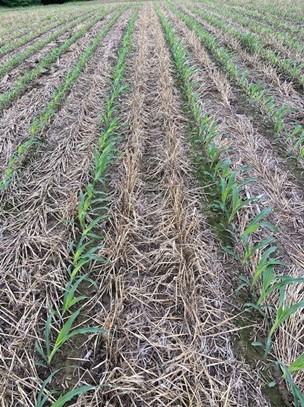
{"x": 152, "y": 204}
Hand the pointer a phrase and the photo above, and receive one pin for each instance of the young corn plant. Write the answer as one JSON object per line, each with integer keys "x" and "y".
{"x": 43, "y": 397}
{"x": 254, "y": 225}
{"x": 296, "y": 365}
{"x": 298, "y": 396}
{"x": 283, "y": 312}
{"x": 273, "y": 282}
{"x": 70, "y": 297}
{"x": 65, "y": 333}
{"x": 69, "y": 396}
{"x": 296, "y": 139}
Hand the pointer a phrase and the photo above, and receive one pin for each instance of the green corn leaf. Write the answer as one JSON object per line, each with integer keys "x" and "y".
{"x": 40, "y": 351}
{"x": 69, "y": 297}
{"x": 88, "y": 330}
{"x": 92, "y": 224}
{"x": 297, "y": 394}
{"x": 41, "y": 398}
{"x": 297, "y": 365}
{"x": 284, "y": 281}
{"x": 263, "y": 243}
{"x": 63, "y": 334}
{"x": 78, "y": 267}
{"x": 61, "y": 402}
{"x": 270, "y": 226}
{"x": 283, "y": 313}
{"x": 263, "y": 263}
{"x": 254, "y": 224}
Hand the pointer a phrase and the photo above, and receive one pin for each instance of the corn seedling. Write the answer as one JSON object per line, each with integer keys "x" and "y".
{"x": 61, "y": 402}
{"x": 66, "y": 333}
{"x": 70, "y": 299}
{"x": 297, "y": 365}
{"x": 283, "y": 312}
{"x": 265, "y": 262}
{"x": 44, "y": 395}
{"x": 254, "y": 225}
{"x": 272, "y": 282}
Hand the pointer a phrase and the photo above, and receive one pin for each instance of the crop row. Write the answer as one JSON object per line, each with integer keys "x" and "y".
{"x": 280, "y": 37}
{"x": 22, "y": 84}
{"x": 40, "y": 122}
{"x": 91, "y": 213}
{"x": 250, "y": 42}
{"x": 276, "y": 23}
{"x": 255, "y": 92}
{"x": 22, "y": 28}
{"x": 292, "y": 11}
{"x": 17, "y": 58}
{"x": 228, "y": 204}
{"x": 11, "y": 46}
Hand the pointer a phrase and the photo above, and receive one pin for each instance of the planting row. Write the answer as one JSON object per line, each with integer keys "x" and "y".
{"x": 92, "y": 211}
{"x": 228, "y": 204}
{"x": 40, "y": 122}
{"x": 291, "y": 69}
{"x": 278, "y": 114}
{"x": 33, "y": 34}
{"x": 291, "y": 43}
{"x": 18, "y": 58}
